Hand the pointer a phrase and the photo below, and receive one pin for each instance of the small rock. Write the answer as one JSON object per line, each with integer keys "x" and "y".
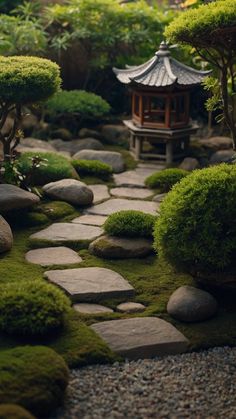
{"x": 131, "y": 307}
{"x": 62, "y": 133}
{"x": 189, "y": 304}
{"x": 113, "y": 158}
{"x": 87, "y": 133}
{"x": 222, "y": 156}
{"x": 87, "y": 308}
{"x": 216, "y": 143}
{"x": 33, "y": 143}
{"x": 53, "y": 256}
{"x": 69, "y": 190}
{"x": 6, "y": 238}
{"x": 115, "y": 134}
{"x": 120, "y": 248}
{"x": 190, "y": 164}
{"x": 14, "y": 198}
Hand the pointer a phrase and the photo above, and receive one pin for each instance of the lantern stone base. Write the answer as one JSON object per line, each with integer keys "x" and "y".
{"x": 175, "y": 141}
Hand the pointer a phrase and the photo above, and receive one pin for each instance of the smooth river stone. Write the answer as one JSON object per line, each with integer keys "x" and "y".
{"x": 93, "y": 220}
{"x": 130, "y": 307}
{"x": 115, "y": 205}
{"x": 100, "y": 193}
{"x": 14, "y": 198}
{"x": 120, "y": 247}
{"x": 87, "y": 308}
{"x": 53, "y": 256}
{"x": 141, "y": 337}
{"x": 91, "y": 284}
{"x": 140, "y": 193}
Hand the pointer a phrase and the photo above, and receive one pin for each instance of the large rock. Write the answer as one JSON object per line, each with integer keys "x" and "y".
{"x": 53, "y": 256}
{"x": 222, "y": 156}
{"x": 189, "y": 304}
{"x": 91, "y": 284}
{"x": 143, "y": 337}
{"x": 6, "y": 238}
{"x": 190, "y": 164}
{"x": 120, "y": 248}
{"x": 69, "y": 190}
{"x": 14, "y": 198}
{"x": 34, "y": 143}
{"x": 62, "y": 133}
{"x": 87, "y": 133}
{"x": 216, "y": 143}
{"x": 113, "y": 158}
{"x": 115, "y": 205}
{"x": 115, "y": 134}
{"x": 74, "y": 146}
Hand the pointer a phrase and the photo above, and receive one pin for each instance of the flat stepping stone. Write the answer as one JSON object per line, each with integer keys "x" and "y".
{"x": 91, "y": 284}
{"x": 140, "y": 193}
{"x": 60, "y": 233}
{"x": 100, "y": 193}
{"x": 134, "y": 178}
{"x": 114, "y": 205}
{"x": 143, "y": 337}
{"x": 86, "y": 308}
{"x": 120, "y": 248}
{"x": 96, "y": 220}
{"x": 130, "y": 307}
{"x": 53, "y": 256}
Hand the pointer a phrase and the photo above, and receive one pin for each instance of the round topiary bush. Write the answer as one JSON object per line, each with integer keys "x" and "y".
{"x": 34, "y": 377}
{"x": 165, "y": 179}
{"x": 92, "y": 168}
{"x": 130, "y": 223}
{"x": 196, "y": 228}
{"x": 32, "y": 308}
{"x": 14, "y": 411}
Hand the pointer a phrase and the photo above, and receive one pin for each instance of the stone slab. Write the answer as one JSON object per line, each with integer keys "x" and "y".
{"x": 100, "y": 193}
{"x": 134, "y": 178}
{"x": 143, "y": 337}
{"x": 133, "y": 193}
{"x": 115, "y": 205}
{"x": 53, "y": 256}
{"x": 90, "y": 284}
{"x": 93, "y": 220}
{"x": 86, "y": 308}
{"x": 68, "y": 232}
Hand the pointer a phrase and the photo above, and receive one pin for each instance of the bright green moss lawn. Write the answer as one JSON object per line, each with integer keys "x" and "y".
{"x": 153, "y": 281}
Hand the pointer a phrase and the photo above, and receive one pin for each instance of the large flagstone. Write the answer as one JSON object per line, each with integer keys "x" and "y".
{"x": 48, "y": 256}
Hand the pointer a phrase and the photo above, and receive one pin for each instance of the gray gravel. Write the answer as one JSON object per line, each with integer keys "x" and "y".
{"x": 194, "y": 385}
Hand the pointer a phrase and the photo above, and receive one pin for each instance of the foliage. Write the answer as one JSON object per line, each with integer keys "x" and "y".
{"x": 58, "y": 167}
{"x": 34, "y": 377}
{"x": 196, "y": 228}
{"x": 32, "y": 309}
{"x": 14, "y": 411}
{"x": 7, "y": 5}
{"x": 130, "y": 223}
{"x": 165, "y": 179}
{"x": 92, "y": 168}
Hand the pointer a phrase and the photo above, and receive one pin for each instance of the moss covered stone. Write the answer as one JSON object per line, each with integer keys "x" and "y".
{"x": 130, "y": 223}
{"x": 14, "y": 411}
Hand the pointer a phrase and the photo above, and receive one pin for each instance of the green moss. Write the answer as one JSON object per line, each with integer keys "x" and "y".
{"x": 14, "y": 411}
{"x": 130, "y": 224}
{"x": 92, "y": 168}
{"x": 165, "y": 179}
{"x": 54, "y": 210}
{"x": 33, "y": 219}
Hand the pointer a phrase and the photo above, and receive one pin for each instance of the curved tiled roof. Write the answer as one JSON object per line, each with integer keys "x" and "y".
{"x": 160, "y": 71}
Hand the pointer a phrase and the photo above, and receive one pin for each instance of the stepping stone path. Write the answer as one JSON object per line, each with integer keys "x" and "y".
{"x": 136, "y": 178}
{"x": 93, "y": 220}
{"x": 114, "y": 205}
{"x": 86, "y": 308}
{"x": 130, "y": 307}
{"x": 68, "y": 232}
{"x": 90, "y": 284}
{"x": 53, "y": 256}
{"x": 140, "y": 193}
{"x": 100, "y": 193}
{"x": 120, "y": 248}
{"x": 143, "y": 337}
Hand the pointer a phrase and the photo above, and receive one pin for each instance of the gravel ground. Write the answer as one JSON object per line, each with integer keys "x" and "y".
{"x": 194, "y": 385}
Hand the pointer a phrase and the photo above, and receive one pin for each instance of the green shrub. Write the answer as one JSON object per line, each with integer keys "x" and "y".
{"x": 196, "y": 228}
{"x": 34, "y": 377}
{"x": 14, "y": 411}
{"x": 56, "y": 168}
{"x": 165, "y": 179}
{"x": 32, "y": 308}
{"x": 92, "y": 168}
{"x": 130, "y": 224}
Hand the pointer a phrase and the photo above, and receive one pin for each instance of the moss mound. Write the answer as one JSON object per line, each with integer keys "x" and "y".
{"x": 13, "y": 411}
{"x": 130, "y": 223}
{"x": 165, "y": 179}
{"x": 34, "y": 377}
{"x": 196, "y": 228}
{"x": 55, "y": 168}
{"x": 32, "y": 308}
{"x": 54, "y": 210}
{"x": 92, "y": 168}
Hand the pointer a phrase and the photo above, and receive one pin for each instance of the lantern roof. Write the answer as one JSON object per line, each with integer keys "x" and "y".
{"x": 161, "y": 71}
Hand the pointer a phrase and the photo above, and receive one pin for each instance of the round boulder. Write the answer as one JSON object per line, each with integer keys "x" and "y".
{"x": 14, "y": 198}
{"x": 113, "y": 158}
{"x": 222, "y": 156}
{"x": 69, "y": 190}
{"x": 6, "y": 238}
{"x": 189, "y": 164}
{"x": 120, "y": 248}
{"x": 189, "y": 304}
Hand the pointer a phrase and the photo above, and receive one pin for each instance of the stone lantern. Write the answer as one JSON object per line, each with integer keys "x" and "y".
{"x": 160, "y": 104}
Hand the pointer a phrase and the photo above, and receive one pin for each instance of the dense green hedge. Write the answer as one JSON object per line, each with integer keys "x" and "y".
{"x": 33, "y": 377}
{"x": 92, "y": 168}
{"x": 165, "y": 179}
{"x": 130, "y": 223}
{"x": 32, "y": 308}
{"x": 196, "y": 228}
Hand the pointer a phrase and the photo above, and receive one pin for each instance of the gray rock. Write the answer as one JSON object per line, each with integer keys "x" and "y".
{"x": 114, "y": 205}
{"x": 135, "y": 178}
{"x": 87, "y": 133}
{"x": 89, "y": 144}
{"x": 130, "y": 307}
{"x": 216, "y": 143}
{"x": 75, "y": 146}
{"x": 62, "y": 133}
{"x": 100, "y": 193}
{"x": 6, "y": 237}
{"x": 189, "y": 163}
{"x": 53, "y": 256}
{"x": 91, "y": 284}
{"x": 189, "y": 304}
{"x": 92, "y": 220}
{"x": 140, "y": 193}
{"x": 87, "y": 308}
{"x": 115, "y": 134}
{"x": 35, "y": 143}
{"x": 113, "y": 158}
{"x": 14, "y": 198}
{"x": 62, "y": 233}
{"x": 69, "y": 190}
{"x": 222, "y": 156}
{"x": 29, "y": 123}
{"x": 143, "y": 337}
{"x": 120, "y": 248}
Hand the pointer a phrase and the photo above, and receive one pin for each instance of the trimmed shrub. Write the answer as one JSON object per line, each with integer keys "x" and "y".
{"x": 130, "y": 223}
{"x": 165, "y": 179}
{"x": 32, "y": 308}
{"x": 56, "y": 168}
{"x": 14, "y": 411}
{"x": 196, "y": 229}
{"x": 92, "y": 168}
{"x": 34, "y": 377}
